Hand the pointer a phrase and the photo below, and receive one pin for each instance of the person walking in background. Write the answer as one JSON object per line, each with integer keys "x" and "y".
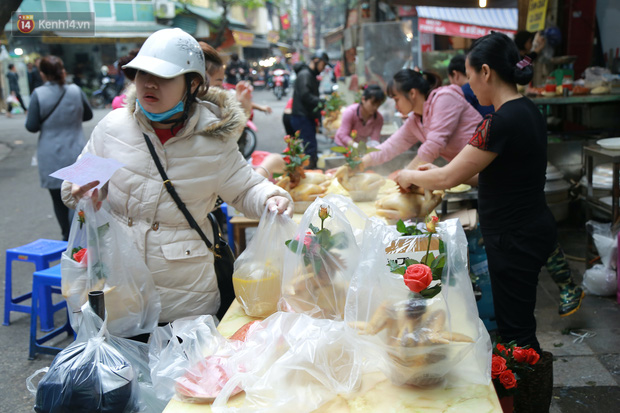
{"x": 13, "y": 78}
{"x": 363, "y": 118}
{"x": 34, "y": 77}
{"x": 57, "y": 111}
{"x": 507, "y": 158}
{"x": 306, "y": 100}
{"x": 236, "y": 70}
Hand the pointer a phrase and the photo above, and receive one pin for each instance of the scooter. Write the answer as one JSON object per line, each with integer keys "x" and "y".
{"x": 248, "y": 140}
{"x": 105, "y": 94}
{"x": 279, "y": 83}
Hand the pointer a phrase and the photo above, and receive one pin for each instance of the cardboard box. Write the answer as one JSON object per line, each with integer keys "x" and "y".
{"x": 412, "y": 247}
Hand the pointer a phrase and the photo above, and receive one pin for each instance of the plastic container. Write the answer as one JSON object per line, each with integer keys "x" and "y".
{"x": 550, "y": 84}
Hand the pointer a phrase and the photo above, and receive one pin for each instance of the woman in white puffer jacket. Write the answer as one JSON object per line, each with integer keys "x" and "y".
{"x": 196, "y": 142}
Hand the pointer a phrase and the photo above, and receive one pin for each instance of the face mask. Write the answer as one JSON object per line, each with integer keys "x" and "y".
{"x": 158, "y": 117}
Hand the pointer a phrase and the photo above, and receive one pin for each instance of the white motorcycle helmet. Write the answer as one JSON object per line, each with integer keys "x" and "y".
{"x": 168, "y": 53}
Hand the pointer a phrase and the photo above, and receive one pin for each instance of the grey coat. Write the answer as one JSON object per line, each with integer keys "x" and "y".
{"x": 62, "y": 138}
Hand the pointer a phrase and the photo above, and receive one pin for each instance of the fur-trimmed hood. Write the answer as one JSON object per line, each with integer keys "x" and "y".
{"x": 219, "y": 115}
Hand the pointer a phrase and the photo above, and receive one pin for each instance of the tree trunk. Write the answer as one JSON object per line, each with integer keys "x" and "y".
{"x": 6, "y": 8}
{"x": 221, "y": 32}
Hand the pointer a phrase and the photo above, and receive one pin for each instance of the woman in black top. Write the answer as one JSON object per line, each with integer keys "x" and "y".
{"x": 507, "y": 159}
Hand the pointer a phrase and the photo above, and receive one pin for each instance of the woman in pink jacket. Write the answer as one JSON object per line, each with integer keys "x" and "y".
{"x": 441, "y": 119}
{"x": 363, "y": 118}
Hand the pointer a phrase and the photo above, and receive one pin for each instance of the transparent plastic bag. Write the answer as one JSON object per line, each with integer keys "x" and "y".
{"x": 425, "y": 341}
{"x": 101, "y": 256}
{"x": 600, "y": 280}
{"x": 605, "y": 242}
{"x": 320, "y": 260}
{"x": 175, "y": 352}
{"x": 258, "y": 270}
{"x": 293, "y": 363}
{"x": 92, "y": 374}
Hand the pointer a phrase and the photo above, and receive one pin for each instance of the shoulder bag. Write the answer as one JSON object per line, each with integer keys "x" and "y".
{"x": 62, "y": 95}
{"x": 223, "y": 256}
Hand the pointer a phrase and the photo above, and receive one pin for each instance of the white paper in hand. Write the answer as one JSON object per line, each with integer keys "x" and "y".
{"x": 87, "y": 169}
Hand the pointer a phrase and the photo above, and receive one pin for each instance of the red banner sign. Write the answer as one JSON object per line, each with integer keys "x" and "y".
{"x": 285, "y": 21}
{"x": 457, "y": 29}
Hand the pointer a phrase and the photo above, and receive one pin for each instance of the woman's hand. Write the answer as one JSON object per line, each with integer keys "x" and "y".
{"x": 427, "y": 167}
{"x": 405, "y": 178}
{"x": 78, "y": 192}
{"x": 280, "y": 204}
{"x": 366, "y": 161}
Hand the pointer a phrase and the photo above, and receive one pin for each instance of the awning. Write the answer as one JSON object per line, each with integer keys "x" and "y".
{"x": 466, "y": 22}
{"x": 214, "y": 17}
{"x": 259, "y": 42}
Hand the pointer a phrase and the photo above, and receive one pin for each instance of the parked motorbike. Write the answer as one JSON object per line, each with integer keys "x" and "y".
{"x": 105, "y": 94}
{"x": 247, "y": 141}
{"x": 279, "y": 83}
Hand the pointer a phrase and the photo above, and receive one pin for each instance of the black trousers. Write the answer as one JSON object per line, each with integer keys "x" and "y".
{"x": 515, "y": 258}
{"x": 63, "y": 214}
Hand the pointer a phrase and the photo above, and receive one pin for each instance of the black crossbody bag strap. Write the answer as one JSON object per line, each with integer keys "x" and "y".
{"x": 173, "y": 193}
{"x": 64, "y": 90}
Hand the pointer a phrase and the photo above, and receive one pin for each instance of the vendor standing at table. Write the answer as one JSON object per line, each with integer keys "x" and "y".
{"x": 441, "y": 119}
{"x": 362, "y": 122}
{"x": 507, "y": 159}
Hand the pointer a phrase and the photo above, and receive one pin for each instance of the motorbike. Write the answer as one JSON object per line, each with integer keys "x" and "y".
{"x": 105, "y": 94}
{"x": 248, "y": 140}
{"x": 279, "y": 83}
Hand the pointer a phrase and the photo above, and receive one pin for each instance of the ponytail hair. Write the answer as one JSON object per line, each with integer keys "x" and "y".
{"x": 374, "y": 93}
{"x": 406, "y": 79}
{"x": 500, "y": 53}
{"x": 53, "y": 69}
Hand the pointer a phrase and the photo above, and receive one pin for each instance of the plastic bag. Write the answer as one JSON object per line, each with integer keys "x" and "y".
{"x": 286, "y": 363}
{"x": 258, "y": 270}
{"x": 600, "y": 280}
{"x": 101, "y": 256}
{"x": 320, "y": 260}
{"x": 90, "y": 375}
{"x": 177, "y": 348}
{"x": 425, "y": 341}
{"x": 605, "y": 242}
{"x": 294, "y": 363}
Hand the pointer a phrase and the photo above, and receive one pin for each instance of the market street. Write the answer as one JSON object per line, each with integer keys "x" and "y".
{"x": 587, "y": 372}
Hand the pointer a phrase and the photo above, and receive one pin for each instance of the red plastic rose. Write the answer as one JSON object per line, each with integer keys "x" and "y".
{"x": 81, "y": 256}
{"x": 498, "y": 366}
{"x": 501, "y": 347}
{"x": 418, "y": 277}
{"x": 508, "y": 379}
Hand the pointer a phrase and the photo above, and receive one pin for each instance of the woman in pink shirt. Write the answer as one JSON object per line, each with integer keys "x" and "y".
{"x": 441, "y": 119}
{"x": 363, "y": 118}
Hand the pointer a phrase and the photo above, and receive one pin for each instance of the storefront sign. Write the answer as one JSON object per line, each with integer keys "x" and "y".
{"x": 457, "y": 29}
{"x": 536, "y": 14}
{"x": 273, "y": 36}
{"x": 243, "y": 39}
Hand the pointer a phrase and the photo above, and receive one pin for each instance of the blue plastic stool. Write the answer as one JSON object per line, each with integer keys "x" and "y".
{"x": 41, "y": 252}
{"x": 49, "y": 277}
{"x": 229, "y": 228}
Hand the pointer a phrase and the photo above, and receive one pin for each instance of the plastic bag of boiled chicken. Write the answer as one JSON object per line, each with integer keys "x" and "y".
{"x": 321, "y": 258}
{"x": 287, "y": 362}
{"x": 258, "y": 270}
{"x": 425, "y": 341}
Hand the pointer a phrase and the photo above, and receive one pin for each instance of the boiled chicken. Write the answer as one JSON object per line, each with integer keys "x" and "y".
{"x": 310, "y": 187}
{"x": 397, "y": 205}
{"x": 362, "y": 186}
